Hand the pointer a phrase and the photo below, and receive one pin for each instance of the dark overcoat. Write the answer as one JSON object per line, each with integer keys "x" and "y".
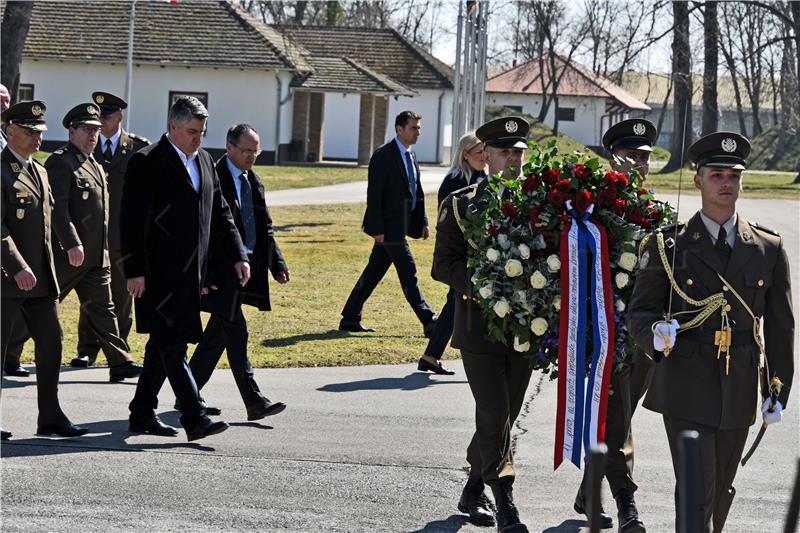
{"x": 165, "y": 229}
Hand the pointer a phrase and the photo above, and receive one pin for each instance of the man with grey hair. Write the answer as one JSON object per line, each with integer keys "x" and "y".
{"x": 172, "y": 206}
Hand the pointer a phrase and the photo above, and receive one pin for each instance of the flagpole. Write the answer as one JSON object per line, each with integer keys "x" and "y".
{"x": 129, "y": 77}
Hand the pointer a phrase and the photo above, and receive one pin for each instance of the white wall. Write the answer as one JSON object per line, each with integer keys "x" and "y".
{"x": 234, "y": 95}
{"x": 588, "y": 125}
{"x": 426, "y": 103}
{"x": 340, "y": 126}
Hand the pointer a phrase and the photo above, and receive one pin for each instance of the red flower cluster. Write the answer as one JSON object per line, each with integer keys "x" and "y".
{"x": 582, "y": 172}
{"x": 530, "y": 184}
{"x": 617, "y": 180}
{"x": 551, "y": 175}
{"x": 509, "y": 210}
{"x": 582, "y": 200}
{"x": 556, "y": 198}
{"x": 495, "y": 230}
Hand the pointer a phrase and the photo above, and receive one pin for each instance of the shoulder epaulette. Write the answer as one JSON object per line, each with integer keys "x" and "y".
{"x": 757, "y": 226}
{"x": 468, "y": 191}
{"x": 671, "y": 227}
{"x": 60, "y": 151}
{"x": 138, "y": 138}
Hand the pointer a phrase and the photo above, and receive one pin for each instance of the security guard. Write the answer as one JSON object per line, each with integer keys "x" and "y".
{"x": 29, "y": 285}
{"x": 113, "y": 151}
{"x": 498, "y": 376}
{"x": 630, "y": 144}
{"x": 80, "y": 221}
{"x": 728, "y": 273}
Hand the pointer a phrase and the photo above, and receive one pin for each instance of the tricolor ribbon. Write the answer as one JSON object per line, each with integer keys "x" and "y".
{"x": 585, "y": 287}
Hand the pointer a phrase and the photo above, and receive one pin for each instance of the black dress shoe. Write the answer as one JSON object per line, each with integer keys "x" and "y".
{"x": 17, "y": 371}
{"x": 62, "y": 430}
{"x": 427, "y": 329}
{"x": 267, "y": 408}
{"x": 475, "y": 503}
{"x": 128, "y": 369}
{"x": 152, "y": 425}
{"x": 209, "y": 409}
{"x": 5, "y": 435}
{"x": 82, "y": 361}
{"x": 606, "y": 522}
{"x": 426, "y": 366}
{"x": 628, "y": 515}
{"x": 354, "y": 327}
{"x": 204, "y": 428}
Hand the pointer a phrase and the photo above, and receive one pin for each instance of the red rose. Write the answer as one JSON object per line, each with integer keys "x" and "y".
{"x": 495, "y": 230}
{"x": 534, "y": 214}
{"x": 610, "y": 178}
{"x": 619, "y": 207}
{"x": 581, "y": 172}
{"x": 634, "y": 215}
{"x": 530, "y": 184}
{"x": 551, "y": 175}
{"x": 582, "y": 200}
{"x": 509, "y": 210}
{"x": 556, "y": 198}
{"x": 642, "y": 192}
{"x": 622, "y": 180}
{"x": 607, "y": 197}
{"x": 562, "y": 185}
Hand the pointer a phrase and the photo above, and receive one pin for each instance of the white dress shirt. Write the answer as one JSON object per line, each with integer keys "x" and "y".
{"x": 114, "y": 142}
{"x": 713, "y": 228}
{"x": 191, "y": 165}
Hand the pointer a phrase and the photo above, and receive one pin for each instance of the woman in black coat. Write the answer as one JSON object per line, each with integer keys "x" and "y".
{"x": 468, "y": 168}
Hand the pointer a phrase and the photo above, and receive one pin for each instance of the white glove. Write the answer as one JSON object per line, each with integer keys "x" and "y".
{"x": 664, "y": 334}
{"x": 775, "y": 416}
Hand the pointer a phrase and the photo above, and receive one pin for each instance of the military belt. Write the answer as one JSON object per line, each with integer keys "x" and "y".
{"x": 707, "y": 336}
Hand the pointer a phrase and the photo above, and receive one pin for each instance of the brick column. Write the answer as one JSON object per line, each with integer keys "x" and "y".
{"x": 381, "y": 115}
{"x": 300, "y": 123}
{"x": 315, "y": 125}
{"x": 366, "y": 129}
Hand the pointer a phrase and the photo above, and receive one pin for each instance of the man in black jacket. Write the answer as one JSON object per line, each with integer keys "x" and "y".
{"x": 171, "y": 208}
{"x": 395, "y": 209}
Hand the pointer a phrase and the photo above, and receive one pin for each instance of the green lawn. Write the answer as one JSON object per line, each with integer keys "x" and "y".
{"x": 756, "y": 184}
{"x": 296, "y": 177}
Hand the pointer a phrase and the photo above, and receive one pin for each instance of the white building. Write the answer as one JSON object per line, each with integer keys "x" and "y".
{"x": 338, "y": 80}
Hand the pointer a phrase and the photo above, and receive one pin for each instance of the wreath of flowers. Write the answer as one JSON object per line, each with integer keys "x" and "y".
{"x": 516, "y": 263}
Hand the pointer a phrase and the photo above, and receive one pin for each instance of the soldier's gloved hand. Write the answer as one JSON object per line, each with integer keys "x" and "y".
{"x": 775, "y": 416}
{"x": 664, "y": 334}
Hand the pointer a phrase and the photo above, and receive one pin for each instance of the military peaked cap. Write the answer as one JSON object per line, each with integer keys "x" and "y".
{"x": 29, "y": 114}
{"x": 82, "y": 114}
{"x": 720, "y": 149}
{"x": 634, "y": 133}
{"x": 109, "y": 103}
{"x": 505, "y": 132}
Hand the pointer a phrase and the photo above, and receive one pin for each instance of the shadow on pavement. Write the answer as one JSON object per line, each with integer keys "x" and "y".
{"x": 414, "y": 381}
{"x": 567, "y": 526}
{"x": 451, "y": 523}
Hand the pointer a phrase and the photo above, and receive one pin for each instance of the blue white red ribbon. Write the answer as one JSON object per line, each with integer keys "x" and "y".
{"x": 586, "y": 287}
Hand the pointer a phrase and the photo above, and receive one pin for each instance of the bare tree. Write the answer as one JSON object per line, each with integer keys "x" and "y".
{"x": 14, "y": 31}
{"x": 682, "y": 81}
{"x": 710, "y": 67}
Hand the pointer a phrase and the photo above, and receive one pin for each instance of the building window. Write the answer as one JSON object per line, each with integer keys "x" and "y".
{"x": 25, "y": 92}
{"x": 174, "y": 95}
{"x": 566, "y": 114}
{"x": 515, "y": 108}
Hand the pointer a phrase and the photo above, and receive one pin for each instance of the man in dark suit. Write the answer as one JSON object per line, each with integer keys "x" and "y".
{"x": 171, "y": 208}
{"x": 29, "y": 284}
{"x": 395, "y": 209}
{"x": 498, "y": 376}
{"x": 114, "y": 149}
{"x": 707, "y": 375}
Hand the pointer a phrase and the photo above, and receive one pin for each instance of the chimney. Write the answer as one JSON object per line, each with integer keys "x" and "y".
{"x": 514, "y": 62}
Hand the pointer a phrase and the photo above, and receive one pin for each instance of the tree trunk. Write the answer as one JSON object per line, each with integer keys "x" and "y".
{"x": 711, "y": 42}
{"x": 333, "y": 13}
{"x": 14, "y": 30}
{"x": 737, "y": 95}
{"x": 682, "y": 81}
{"x": 796, "y": 24}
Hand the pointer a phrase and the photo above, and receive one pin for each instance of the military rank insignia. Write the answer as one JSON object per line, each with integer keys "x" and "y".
{"x": 85, "y": 195}
{"x": 16, "y": 168}
{"x": 20, "y": 213}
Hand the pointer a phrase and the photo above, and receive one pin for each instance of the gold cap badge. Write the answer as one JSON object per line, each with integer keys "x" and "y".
{"x": 511, "y": 126}
{"x": 36, "y": 110}
{"x": 639, "y": 128}
{"x": 99, "y": 98}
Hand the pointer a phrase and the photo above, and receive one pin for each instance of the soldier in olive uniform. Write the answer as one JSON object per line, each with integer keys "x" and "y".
{"x": 29, "y": 284}
{"x": 80, "y": 221}
{"x": 706, "y": 377}
{"x": 630, "y": 144}
{"x": 498, "y": 376}
{"x": 114, "y": 149}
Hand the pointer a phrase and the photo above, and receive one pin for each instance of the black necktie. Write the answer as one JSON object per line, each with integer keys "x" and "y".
{"x": 722, "y": 246}
{"x": 107, "y": 154}
{"x": 248, "y": 215}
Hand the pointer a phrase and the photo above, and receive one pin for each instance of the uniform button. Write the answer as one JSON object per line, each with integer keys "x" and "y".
{"x": 465, "y": 297}
{"x": 761, "y": 283}
{"x": 727, "y": 308}
{"x": 690, "y": 282}
{"x": 725, "y": 288}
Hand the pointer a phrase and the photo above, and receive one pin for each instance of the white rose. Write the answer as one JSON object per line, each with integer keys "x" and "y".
{"x": 553, "y": 263}
{"x": 622, "y": 279}
{"x": 627, "y": 261}
{"x": 538, "y": 280}
{"x": 501, "y": 307}
{"x": 524, "y": 347}
{"x": 620, "y": 306}
{"x": 513, "y": 268}
{"x": 539, "y": 326}
{"x": 485, "y": 291}
{"x": 492, "y": 255}
{"x": 557, "y": 303}
{"x": 503, "y": 241}
{"x": 524, "y": 251}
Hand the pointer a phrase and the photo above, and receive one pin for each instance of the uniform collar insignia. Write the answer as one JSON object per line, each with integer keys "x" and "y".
{"x": 696, "y": 236}
{"x": 746, "y": 236}
{"x": 16, "y": 167}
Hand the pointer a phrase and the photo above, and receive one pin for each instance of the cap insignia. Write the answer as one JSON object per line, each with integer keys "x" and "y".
{"x": 639, "y": 128}
{"x": 91, "y": 110}
{"x": 36, "y": 110}
{"x": 511, "y": 126}
{"x": 728, "y": 144}
{"x": 99, "y": 98}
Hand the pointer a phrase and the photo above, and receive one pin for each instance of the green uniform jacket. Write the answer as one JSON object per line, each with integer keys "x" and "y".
{"x": 128, "y": 145}
{"x": 81, "y": 211}
{"x": 27, "y": 205}
{"x": 450, "y": 267}
{"x": 691, "y": 383}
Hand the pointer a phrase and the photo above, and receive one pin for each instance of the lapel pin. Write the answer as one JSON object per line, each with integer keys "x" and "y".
{"x": 696, "y": 236}
{"x": 85, "y": 195}
{"x": 20, "y": 213}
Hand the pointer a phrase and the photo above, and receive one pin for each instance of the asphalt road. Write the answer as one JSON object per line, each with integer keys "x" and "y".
{"x": 359, "y": 449}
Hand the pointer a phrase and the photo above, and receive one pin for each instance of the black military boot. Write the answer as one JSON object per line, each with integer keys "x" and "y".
{"x": 507, "y": 515}
{"x": 580, "y": 506}
{"x": 475, "y": 503}
{"x": 628, "y": 515}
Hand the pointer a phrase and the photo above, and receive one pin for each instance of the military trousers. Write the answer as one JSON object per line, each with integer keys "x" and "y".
{"x": 498, "y": 384}
{"x": 88, "y": 343}
{"x": 720, "y": 452}
{"x": 41, "y": 317}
